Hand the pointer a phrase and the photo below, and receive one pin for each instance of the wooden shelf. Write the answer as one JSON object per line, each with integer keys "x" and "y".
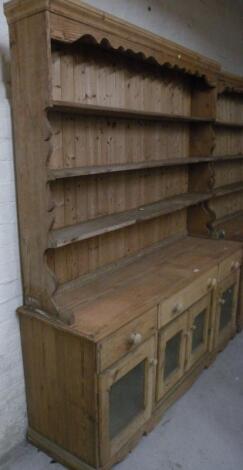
{"x": 101, "y": 225}
{"x": 222, "y": 158}
{"x": 62, "y": 173}
{"x": 231, "y": 226}
{"x": 220, "y": 123}
{"x": 96, "y": 110}
{"x": 228, "y": 189}
{"x": 227, "y": 218}
{"x": 114, "y": 168}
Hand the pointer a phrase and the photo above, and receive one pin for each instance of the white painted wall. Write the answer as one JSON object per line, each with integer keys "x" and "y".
{"x": 211, "y": 27}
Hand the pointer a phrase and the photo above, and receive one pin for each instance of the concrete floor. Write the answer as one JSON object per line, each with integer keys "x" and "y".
{"x": 202, "y": 431}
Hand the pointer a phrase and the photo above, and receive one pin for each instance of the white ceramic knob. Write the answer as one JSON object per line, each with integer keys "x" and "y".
{"x": 178, "y": 308}
{"x": 136, "y": 339}
{"x": 222, "y": 301}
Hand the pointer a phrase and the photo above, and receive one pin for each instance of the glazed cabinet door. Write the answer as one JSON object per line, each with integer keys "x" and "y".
{"x": 225, "y": 324}
{"x": 126, "y": 398}
{"x": 198, "y": 330}
{"x": 172, "y": 348}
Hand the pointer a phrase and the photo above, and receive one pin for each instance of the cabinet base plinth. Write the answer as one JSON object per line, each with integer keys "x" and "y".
{"x": 56, "y": 452}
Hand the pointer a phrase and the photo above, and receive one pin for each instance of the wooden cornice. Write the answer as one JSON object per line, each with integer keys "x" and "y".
{"x": 229, "y": 83}
{"x": 70, "y": 20}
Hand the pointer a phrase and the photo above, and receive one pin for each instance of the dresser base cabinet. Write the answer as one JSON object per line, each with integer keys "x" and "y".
{"x": 67, "y": 431}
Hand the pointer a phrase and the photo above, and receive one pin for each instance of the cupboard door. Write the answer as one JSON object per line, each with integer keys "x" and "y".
{"x": 198, "y": 330}
{"x": 172, "y": 346}
{"x": 226, "y": 309}
{"x": 126, "y": 398}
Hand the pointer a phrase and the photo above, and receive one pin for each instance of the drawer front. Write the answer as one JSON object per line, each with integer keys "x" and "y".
{"x": 229, "y": 265}
{"x": 181, "y": 301}
{"x": 127, "y": 339}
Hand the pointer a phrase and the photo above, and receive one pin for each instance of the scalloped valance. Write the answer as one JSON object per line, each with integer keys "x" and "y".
{"x": 70, "y": 20}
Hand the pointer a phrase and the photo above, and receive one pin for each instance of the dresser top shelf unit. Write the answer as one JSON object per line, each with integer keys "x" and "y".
{"x": 89, "y": 152}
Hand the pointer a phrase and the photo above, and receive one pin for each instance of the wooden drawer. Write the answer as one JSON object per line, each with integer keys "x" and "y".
{"x": 181, "y": 301}
{"x": 229, "y": 265}
{"x": 126, "y": 339}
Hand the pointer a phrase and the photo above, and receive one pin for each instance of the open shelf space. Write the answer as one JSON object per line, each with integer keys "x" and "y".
{"x": 62, "y": 173}
{"x": 95, "y": 227}
{"x": 96, "y": 110}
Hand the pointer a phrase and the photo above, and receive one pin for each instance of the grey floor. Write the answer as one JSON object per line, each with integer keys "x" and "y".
{"x": 202, "y": 431}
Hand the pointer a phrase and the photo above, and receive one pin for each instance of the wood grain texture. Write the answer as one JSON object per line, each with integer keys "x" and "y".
{"x": 31, "y": 88}
{"x": 88, "y": 256}
{"x": 101, "y": 225}
{"x": 90, "y": 141}
{"x": 81, "y": 200}
{"x": 139, "y": 285}
{"x": 60, "y": 386}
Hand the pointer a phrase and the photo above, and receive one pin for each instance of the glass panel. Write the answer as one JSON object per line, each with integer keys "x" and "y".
{"x": 127, "y": 399}
{"x": 172, "y": 354}
{"x": 198, "y": 330}
{"x": 226, "y": 307}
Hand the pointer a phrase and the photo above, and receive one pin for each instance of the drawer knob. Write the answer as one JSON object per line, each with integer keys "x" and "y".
{"x": 212, "y": 283}
{"x": 235, "y": 265}
{"x": 178, "y": 308}
{"x": 136, "y": 339}
{"x": 222, "y": 301}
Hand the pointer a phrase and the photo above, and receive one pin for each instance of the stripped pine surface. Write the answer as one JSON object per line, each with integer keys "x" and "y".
{"x": 73, "y": 172}
{"x": 82, "y": 199}
{"x": 86, "y": 257}
{"x": 99, "y": 226}
{"x": 139, "y": 285}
